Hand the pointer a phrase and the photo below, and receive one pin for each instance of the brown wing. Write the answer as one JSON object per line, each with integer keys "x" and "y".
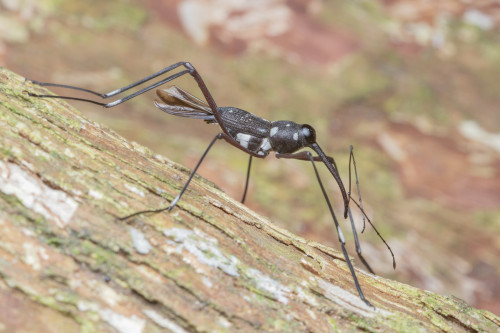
{"x": 178, "y": 102}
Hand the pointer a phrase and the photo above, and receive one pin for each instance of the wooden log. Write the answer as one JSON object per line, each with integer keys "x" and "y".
{"x": 69, "y": 264}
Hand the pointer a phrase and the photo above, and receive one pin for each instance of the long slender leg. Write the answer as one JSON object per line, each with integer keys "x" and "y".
{"x": 351, "y": 158}
{"x": 360, "y": 206}
{"x": 353, "y": 227}
{"x": 248, "y": 178}
{"x": 116, "y": 102}
{"x": 189, "y": 69}
{"x": 340, "y": 235}
{"x": 358, "y": 246}
{"x": 305, "y": 155}
{"x": 174, "y": 202}
{"x": 114, "y": 92}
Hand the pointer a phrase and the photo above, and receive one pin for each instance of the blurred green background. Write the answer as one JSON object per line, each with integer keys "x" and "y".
{"x": 412, "y": 85}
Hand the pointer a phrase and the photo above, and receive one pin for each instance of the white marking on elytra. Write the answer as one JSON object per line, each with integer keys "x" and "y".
{"x": 243, "y": 139}
{"x": 273, "y": 131}
{"x": 287, "y": 125}
{"x": 295, "y": 136}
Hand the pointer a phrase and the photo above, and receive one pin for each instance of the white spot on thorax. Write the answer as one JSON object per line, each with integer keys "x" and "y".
{"x": 273, "y": 131}
{"x": 265, "y": 145}
{"x": 295, "y": 136}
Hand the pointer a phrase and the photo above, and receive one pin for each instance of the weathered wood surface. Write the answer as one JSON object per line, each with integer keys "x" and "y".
{"x": 68, "y": 264}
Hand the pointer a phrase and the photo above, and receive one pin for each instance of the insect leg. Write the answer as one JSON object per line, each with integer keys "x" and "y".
{"x": 176, "y": 199}
{"x": 358, "y": 246}
{"x": 112, "y": 93}
{"x": 189, "y": 69}
{"x": 340, "y": 234}
{"x": 360, "y": 206}
{"x": 303, "y": 155}
{"x": 351, "y": 158}
{"x": 330, "y": 165}
{"x": 248, "y": 178}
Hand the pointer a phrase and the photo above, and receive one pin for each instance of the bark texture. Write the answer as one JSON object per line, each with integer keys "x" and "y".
{"x": 68, "y": 264}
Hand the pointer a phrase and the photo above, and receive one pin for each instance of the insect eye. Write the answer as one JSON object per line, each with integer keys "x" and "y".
{"x": 309, "y": 133}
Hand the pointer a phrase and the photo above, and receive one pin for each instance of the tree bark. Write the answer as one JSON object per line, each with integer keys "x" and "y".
{"x": 69, "y": 264}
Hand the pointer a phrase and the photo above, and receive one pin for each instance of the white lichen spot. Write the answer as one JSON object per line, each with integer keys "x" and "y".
{"x": 224, "y": 322}
{"x": 69, "y": 153}
{"x": 349, "y": 300}
{"x": 84, "y": 306}
{"x": 28, "y": 165}
{"x": 163, "y": 322}
{"x": 141, "y": 244}
{"x": 28, "y": 232}
{"x": 35, "y": 195}
{"x": 96, "y": 194}
{"x": 33, "y": 254}
{"x": 312, "y": 314}
{"x": 204, "y": 248}
{"x": 206, "y": 281}
{"x": 108, "y": 295}
{"x": 269, "y": 285}
{"x": 135, "y": 190}
{"x": 305, "y": 297}
{"x": 273, "y": 131}
{"x": 122, "y": 323}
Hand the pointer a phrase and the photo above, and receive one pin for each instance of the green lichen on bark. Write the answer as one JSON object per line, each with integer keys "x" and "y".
{"x": 209, "y": 265}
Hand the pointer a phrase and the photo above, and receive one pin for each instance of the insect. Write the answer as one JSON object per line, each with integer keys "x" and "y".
{"x": 245, "y": 131}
